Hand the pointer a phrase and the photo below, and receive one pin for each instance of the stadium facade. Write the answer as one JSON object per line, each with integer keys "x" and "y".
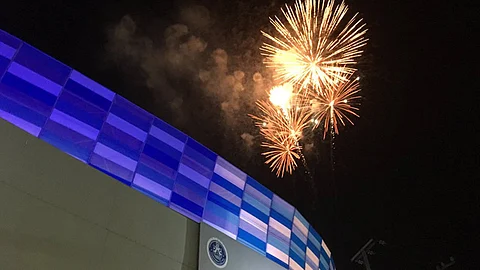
{"x": 132, "y": 192}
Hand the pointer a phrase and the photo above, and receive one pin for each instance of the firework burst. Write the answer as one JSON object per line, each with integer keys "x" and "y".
{"x": 314, "y": 44}
{"x": 282, "y": 127}
{"x": 336, "y": 105}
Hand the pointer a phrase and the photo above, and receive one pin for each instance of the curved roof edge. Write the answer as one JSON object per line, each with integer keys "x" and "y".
{"x": 91, "y": 123}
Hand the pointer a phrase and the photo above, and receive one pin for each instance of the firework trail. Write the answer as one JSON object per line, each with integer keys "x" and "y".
{"x": 314, "y": 44}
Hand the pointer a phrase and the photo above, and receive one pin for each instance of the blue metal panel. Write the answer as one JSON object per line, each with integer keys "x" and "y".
{"x": 202, "y": 150}
{"x": 252, "y": 182}
{"x": 252, "y": 241}
{"x": 192, "y": 210}
{"x": 4, "y": 62}
{"x": 170, "y": 130}
{"x": 120, "y": 141}
{"x": 198, "y": 157}
{"x": 324, "y": 263}
{"x": 88, "y": 95}
{"x": 164, "y": 147}
{"x": 22, "y": 112}
{"x": 255, "y": 212}
{"x": 27, "y": 94}
{"x": 67, "y": 140}
{"x": 80, "y": 109}
{"x": 299, "y": 259}
{"x": 227, "y": 185}
{"x": 260, "y": 206}
{"x": 278, "y": 217}
{"x": 154, "y": 175}
{"x": 161, "y": 156}
{"x": 42, "y": 64}
{"x": 10, "y": 40}
{"x": 225, "y": 204}
{"x": 131, "y": 113}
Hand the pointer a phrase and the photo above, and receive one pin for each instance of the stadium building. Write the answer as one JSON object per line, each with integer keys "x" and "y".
{"x": 88, "y": 180}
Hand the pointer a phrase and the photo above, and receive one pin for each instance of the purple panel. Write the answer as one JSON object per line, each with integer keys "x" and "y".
{"x": 282, "y": 207}
{"x": 190, "y": 190}
{"x": 35, "y": 79}
{"x": 278, "y": 235}
{"x": 189, "y": 194}
{"x": 220, "y": 217}
{"x": 42, "y": 64}
{"x": 10, "y": 40}
{"x": 92, "y": 85}
{"x": 199, "y": 157}
{"x": 24, "y": 99}
{"x": 196, "y": 166}
{"x": 131, "y": 113}
{"x": 115, "y": 156}
{"x": 126, "y": 127}
{"x": 299, "y": 234}
{"x": 196, "y": 177}
{"x": 67, "y": 140}
{"x": 74, "y": 124}
{"x": 157, "y": 166}
{"x": 170, "y": 130}
{"x": 151, "y": 186}
{"x": 120, "y": 139}
{"x": 27, "y": 126}
{"x": 22, "y": 112}
{"x": 257, "y": 195}
{"x": 7, "y": 51}
{"x": 73, "y": 105}
{"x": 111, "y": 167}
{"x": 202, "y": 150}
{"x": 253, "y": 230}
{"x": 4, "y": 63}
{"x": 167, "y": 138}
{"x": 227, "y": 195}
{"x": 232, "y": 169}
{"x": 227, "y": 175}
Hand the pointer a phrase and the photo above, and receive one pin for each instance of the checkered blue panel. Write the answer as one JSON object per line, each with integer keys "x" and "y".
{"x": 91, "y": 123}
{"x": 312, "y": 257}
{"x": 324, "y": 257}
{"x": 222, "y": 209}
{"x": 279, "y": 231}
{"x": 298, "y": 241}
{"x": 254, "y": 216}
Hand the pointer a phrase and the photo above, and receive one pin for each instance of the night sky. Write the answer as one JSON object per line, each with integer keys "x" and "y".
{"x": 405, "y": 173}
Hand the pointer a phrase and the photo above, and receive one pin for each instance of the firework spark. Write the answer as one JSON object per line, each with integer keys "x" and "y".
{"x": 314, "y": 44}
{"x": 281, "y": 128}
{"x": 335, "y": 105}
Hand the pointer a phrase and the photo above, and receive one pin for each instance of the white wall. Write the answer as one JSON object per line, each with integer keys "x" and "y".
{"x": 58, "y": 213}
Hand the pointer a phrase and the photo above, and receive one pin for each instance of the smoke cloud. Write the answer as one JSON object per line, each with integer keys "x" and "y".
{"x": 186, "y": 67}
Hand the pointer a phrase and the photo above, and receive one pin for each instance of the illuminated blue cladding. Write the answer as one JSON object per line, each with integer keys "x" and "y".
{"x": 224, "y": 197}
{"x": 89, "y": 122}
{"x": 42, "y": 64}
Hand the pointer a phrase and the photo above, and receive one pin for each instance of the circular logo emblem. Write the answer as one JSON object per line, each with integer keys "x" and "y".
{"x": 217, "y": 252}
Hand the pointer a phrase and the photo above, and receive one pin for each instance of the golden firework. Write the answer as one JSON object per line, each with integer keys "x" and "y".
{"x": 314, "y": 44}
{"x": 281, "y": 128}
{"x": 335, "y": 105}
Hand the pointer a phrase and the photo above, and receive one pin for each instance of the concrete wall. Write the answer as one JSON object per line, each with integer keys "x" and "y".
{"x": 58, "y": 213}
